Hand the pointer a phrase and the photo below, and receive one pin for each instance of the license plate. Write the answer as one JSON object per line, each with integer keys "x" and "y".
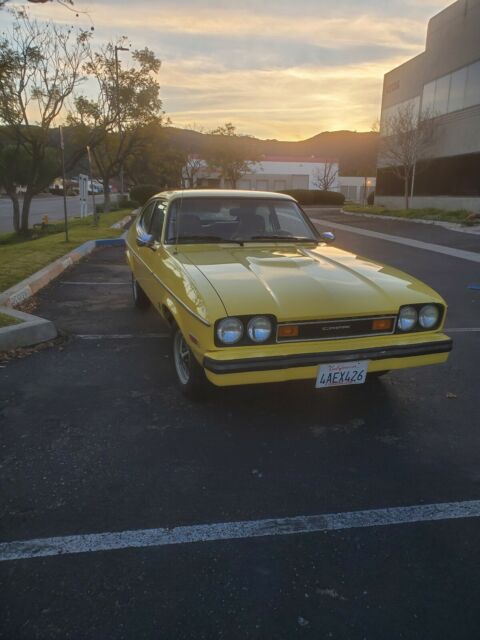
{"x": 340, "y": 374}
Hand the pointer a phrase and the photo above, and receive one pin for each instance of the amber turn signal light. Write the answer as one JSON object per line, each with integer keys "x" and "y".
{"x": 382, "y": 324}
{"x": 288, "y": 331}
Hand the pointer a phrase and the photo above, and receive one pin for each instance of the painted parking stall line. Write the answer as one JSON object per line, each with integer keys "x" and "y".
{"x": 409, "y": 242}
{"x": 137, "y": 539}
{"x": 103, "y": 284}
{"x": 121, "y": 336}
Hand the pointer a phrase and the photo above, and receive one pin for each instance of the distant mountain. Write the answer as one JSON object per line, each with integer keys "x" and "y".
{"x": 356, "y": 152}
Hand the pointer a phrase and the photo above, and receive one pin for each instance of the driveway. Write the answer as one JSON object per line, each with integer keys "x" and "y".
{"x": 97, "y": 440}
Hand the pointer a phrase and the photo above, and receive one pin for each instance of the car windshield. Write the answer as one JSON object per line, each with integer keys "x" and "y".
{"x": 236, "y": 220}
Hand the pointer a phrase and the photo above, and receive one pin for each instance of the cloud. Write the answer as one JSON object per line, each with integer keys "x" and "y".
{"x": 276, "y": 68}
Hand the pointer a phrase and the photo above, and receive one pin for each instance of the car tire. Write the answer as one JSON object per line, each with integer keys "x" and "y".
{"x": 140, "y": 299}
{"x": 190, "y": 375}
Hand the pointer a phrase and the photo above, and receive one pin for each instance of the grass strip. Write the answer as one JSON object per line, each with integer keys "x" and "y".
{"x": 22, "y": 256}
{"x": 461, "y": 215}
{"x": 7, "y": 321}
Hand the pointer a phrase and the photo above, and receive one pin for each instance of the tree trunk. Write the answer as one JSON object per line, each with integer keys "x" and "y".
{"x": 106, "y": 194}
{"x": 16, "y": 209}
{"x": 406, "y": 181}
{"x": 27, "y": 201}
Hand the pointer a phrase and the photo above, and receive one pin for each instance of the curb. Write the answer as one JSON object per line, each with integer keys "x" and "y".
{"x": 31, "y": 330}
{"x": 451, "y": 226}
{"x": 28, "y": 287}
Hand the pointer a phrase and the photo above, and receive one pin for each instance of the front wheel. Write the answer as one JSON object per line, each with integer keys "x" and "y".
{"x": 140, "y": 299}
{"x": 190, "y": 375}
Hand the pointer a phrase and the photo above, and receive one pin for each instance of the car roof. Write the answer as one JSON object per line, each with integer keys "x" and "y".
{"x": 222, "y": 193}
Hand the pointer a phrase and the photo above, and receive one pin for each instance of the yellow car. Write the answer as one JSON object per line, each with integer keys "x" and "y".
{"x": 253, "y": 293}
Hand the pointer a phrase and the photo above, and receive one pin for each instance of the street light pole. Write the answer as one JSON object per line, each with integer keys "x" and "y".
{"x": 62, "y": 152}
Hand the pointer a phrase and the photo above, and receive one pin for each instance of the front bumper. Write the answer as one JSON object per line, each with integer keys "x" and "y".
{"x": 251, "y": 369}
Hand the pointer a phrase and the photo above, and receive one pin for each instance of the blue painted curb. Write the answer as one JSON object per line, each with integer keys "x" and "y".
{"x": 110, "y": 242}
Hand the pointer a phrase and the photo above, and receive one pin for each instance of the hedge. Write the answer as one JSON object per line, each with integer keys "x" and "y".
{"x": 143, "y": 192}
{"x": 304, "y": 196}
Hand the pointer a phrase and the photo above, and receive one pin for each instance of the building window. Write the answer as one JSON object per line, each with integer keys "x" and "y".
{"x": 455, "y": 91}
{"x": 456, "y": 99}
{"x": 472, "y": 96}
{"x": 453, "y": 176}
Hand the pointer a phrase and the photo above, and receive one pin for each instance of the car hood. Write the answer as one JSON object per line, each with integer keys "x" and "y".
{"x": 301, "y": 283}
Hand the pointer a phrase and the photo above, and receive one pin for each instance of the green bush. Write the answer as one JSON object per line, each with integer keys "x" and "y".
{"x": 371, "y": 198}
{"x": 143, "y": 192}
{"x": 304, "y": 196}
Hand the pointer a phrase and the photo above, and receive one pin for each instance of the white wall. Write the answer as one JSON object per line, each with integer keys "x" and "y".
{"x": 353, "y": 187}
{"x": 271, "y": 175}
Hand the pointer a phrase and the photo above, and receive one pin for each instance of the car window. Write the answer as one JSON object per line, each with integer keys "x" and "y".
{"x": 146, "y": 218}
{"x": 157, "y": 219}
{"x": 216, "y": 219}
{"x": 289, "y": 221}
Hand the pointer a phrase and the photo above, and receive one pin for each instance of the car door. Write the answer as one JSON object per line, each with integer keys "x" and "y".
{"x": 143, "y": 224}
{"x": 152, "y": 254}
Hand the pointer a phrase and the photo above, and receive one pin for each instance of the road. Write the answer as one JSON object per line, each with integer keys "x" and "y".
{"x": 44, "y": 205}
{"x": 97, "y": 439}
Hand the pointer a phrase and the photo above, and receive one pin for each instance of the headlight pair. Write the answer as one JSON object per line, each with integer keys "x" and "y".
{"x": 424, "y": 317}
{"x": 230, "y": 331}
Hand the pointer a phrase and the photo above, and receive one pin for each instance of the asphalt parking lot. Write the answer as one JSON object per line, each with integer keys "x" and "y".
{"x": 96, "y": 438}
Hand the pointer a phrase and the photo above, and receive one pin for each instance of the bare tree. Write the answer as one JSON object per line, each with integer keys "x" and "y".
{"x": 325, "y": 178}
{"x": 40, "y": 67}
{"x": 230, "y": 153}
{"x": 126, "y": 106}
{"x": 405, "y": 138}
{"x": 191, "y": 169}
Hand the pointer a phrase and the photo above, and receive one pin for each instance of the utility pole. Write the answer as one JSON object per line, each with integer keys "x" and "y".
{"x": 119, "y": 125}
{"x": 62, "y": 152}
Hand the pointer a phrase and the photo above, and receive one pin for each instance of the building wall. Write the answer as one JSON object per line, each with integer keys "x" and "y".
{"x": 271, "y": 175}
{"x": 446, "y": 77}
{"x": 355, "y": 188}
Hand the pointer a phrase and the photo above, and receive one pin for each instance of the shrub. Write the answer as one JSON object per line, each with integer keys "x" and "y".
{"x": 304, "y": 196}
{"x": 371, "y": 198}
{"x": 143, "y": 192}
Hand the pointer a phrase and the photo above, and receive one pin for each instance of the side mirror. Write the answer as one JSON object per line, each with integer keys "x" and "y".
{"x": 145, "y": 239}
{"x": 328, "y": 237}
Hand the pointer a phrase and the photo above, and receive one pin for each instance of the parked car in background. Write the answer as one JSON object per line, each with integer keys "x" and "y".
{"x": 254, "y": 294}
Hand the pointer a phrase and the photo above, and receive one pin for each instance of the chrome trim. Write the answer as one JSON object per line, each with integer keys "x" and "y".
{"x": 339, "y": 320}
{"x": 186, "y": 307}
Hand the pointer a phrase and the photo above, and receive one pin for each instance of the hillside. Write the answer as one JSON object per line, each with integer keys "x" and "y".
{"x": 356, "y": 152}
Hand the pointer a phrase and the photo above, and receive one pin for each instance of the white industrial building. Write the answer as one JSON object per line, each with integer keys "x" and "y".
{"x": 271, "y": 173}
{"x": 356, "y": 189}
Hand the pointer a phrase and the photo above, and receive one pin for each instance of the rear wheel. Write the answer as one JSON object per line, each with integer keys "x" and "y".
{"x": 140, "y": 299}
{"x": 190, "y": 375}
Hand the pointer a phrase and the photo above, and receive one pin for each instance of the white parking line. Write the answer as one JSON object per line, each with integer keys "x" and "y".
{"x": 463, "y": 330}
{"x": 107, "y": 284}
{"x": 88, "y": 543}
{"x": 417, "y": 244}
{"x": 120, "y": 336}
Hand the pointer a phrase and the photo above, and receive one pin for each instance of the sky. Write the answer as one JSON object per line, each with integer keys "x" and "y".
{"x": 284, "y": 69}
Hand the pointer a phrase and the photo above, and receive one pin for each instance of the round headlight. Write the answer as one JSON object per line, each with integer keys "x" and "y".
{"x": 407, "y": 318}
{"x": 259, "y": 329}
{"x": 230, "y": 330}
{"x": 428, "y": 316}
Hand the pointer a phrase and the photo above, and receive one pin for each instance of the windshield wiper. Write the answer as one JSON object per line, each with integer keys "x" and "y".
{"x": 284, "y": 238}
{"x": 201, "y": 239}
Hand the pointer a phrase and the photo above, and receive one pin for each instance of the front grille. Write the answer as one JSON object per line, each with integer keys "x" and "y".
{"x": 334, "y": 329}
